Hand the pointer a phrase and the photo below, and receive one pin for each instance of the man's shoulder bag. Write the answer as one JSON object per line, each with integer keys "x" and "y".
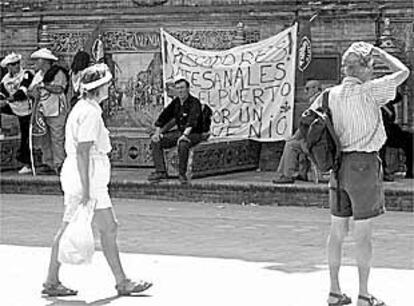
{"x": 320, "y": 138}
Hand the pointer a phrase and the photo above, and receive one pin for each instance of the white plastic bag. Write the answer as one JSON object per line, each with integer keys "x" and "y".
{"x": 77, "y": 243}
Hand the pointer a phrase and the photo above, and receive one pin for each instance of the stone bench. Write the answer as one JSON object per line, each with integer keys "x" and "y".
{"x": 131, "y": 151}
{"x": 215, "y": 157}
{"x": 210, "y": 157}
{"x": 8, "y": 152}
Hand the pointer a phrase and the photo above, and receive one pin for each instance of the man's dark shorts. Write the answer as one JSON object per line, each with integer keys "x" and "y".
{"x": 362, "y": 194}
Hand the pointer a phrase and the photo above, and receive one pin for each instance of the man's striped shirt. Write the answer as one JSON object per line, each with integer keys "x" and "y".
{"x": 356, "y": 110}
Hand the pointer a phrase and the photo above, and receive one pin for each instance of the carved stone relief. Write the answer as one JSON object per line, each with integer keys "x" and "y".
{"x": 129, "y": 41}
{"x": 68, "y": 42}
{"x": 216, "y": 157}
{"x": 116, "y": 41}
{"x": 206, "y": 39}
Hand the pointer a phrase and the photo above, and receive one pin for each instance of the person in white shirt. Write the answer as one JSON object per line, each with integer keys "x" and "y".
{"x": 13, "y": 91}
{"x": 50, "y": 87}
{"x": 356, "y": 114}
{"x": 85, "y": 176}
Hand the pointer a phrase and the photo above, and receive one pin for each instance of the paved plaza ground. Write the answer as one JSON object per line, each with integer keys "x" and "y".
{"x": 202, "y": 254}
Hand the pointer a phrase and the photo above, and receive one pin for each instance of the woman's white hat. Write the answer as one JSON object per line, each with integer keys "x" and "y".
{"x": 44, "y": 53}
{"x": 10, "y": 59}
{"x": 95, "y": 76}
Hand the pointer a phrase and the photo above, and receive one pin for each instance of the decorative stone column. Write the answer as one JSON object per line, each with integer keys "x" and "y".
{"x": 387, "y": 43}
{"x": 239, "y": 37}
{"x": 43, "y": 37}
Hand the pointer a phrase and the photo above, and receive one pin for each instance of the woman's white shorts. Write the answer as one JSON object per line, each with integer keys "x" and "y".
{"x": 99, "y": 176}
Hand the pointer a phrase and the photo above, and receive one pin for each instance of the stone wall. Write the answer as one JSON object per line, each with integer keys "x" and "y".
{"x": 210, "y": 24}
{"x": 132, "y": 27}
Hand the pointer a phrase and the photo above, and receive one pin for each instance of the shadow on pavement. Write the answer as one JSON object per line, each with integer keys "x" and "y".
{"x": 61, "y": 302}
{"x": 294, "y": 268}
{"x": 54, "y": 301}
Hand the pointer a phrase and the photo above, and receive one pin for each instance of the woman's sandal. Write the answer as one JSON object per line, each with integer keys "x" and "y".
{"x": 57, "y": 290}
{"x": 372, "y": 300}
{"x": 342, "y": 299}
{"x": 128, "y": 287}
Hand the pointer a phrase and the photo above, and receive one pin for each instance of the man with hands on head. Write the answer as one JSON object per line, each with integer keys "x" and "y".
{"x": 356, "y": 115}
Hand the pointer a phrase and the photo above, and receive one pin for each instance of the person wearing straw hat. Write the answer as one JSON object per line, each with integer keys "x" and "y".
{"x": 85, "y": 177}
{"x": 13, "y": 90}
{"x": 51, "y": 89}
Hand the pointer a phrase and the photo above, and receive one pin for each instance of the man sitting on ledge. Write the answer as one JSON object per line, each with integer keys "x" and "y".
{"x": 185, "y": 111}
{"x": 294, "y": 164}
{"x": 396, "y": 138}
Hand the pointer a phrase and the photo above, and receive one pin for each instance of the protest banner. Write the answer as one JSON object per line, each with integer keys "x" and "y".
{"x": 250, "y": 88}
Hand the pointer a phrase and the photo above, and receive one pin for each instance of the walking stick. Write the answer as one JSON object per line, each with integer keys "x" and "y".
{"x": 32, "y": 120}
{"x": 31, "y": 147}
{"x": 37, "y": 123}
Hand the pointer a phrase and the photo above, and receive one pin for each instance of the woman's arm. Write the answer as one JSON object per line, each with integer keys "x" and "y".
{"x": 83, "y": 154}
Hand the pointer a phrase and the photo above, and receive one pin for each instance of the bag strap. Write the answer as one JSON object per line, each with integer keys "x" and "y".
{"x": 329, "y": 125}
{"x": 377, "y": 125}
{"x": 325, "y": 100}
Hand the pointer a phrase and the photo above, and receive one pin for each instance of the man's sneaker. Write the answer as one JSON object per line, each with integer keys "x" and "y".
{"x": 45, "y": 170}
{"x": 283, "y": 180}
{"x": 183, "y": 179}
{"x": 388, "y": 177}
{"x": 25, "y": 170}
{"x": 157, "y": 176}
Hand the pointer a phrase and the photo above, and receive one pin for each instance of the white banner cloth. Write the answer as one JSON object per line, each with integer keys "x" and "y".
{"x": 250, "y": 88}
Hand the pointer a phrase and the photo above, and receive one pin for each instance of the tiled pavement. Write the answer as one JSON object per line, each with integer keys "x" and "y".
{"x": 273, "y": 254}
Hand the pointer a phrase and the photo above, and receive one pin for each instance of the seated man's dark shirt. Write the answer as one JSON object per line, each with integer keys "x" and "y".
{"x": 389, "y": 116}
{"x": 186, "y": 115}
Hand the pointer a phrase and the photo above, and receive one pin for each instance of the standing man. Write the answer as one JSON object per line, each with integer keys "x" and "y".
{"x": 185, "y": 110}
{"x": 51, "y": 91}
{"x": 356, "y": 115}
{"x": 13, "y": 90}
{"x": 294, "y": 164}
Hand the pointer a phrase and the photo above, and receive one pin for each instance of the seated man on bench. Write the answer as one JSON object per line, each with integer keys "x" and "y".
{"x": 396, "y": 138}
{"x": 294, "y": 164}
{"x": 184, "y": 111}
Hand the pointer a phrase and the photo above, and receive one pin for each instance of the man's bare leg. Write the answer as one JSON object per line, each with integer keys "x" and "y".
{"x": 363, "y": 251}
{"x": 338, "y": 231}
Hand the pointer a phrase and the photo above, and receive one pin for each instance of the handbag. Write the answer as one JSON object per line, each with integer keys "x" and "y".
{"x": 77, "y": 244}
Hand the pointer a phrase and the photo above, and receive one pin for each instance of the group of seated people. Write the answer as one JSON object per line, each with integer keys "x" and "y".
{"x": 183, "y": 123}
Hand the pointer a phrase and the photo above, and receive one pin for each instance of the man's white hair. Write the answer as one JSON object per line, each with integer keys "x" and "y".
{"x": 358, "y": 55}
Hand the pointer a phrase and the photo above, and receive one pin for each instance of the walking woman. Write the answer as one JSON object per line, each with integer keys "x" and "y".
{"x": 85, "y": 176}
